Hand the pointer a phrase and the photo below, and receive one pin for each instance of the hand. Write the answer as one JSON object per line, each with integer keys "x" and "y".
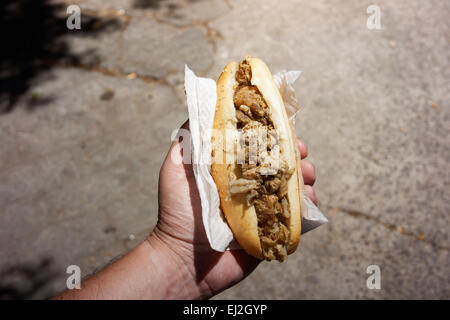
{"x": 180, "y": 227}
{"x": 176, "y": 261}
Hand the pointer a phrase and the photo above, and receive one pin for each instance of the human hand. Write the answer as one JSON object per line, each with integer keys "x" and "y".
{"x": 180, "y": 228}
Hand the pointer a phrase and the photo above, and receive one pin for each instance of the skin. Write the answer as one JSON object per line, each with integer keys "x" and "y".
{"x": 176, "y": 261}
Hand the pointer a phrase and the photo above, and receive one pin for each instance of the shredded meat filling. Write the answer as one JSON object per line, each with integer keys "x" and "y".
{"x": 265, "y": 187}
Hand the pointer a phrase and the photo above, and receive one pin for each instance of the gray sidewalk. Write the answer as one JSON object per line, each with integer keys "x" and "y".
{"x": 85, "y": 134}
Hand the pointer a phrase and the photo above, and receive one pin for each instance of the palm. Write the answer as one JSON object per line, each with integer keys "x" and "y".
{"x": 180, "y": 218}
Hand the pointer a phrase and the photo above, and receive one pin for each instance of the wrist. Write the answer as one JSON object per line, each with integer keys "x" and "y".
{"x": 172, "y": 268}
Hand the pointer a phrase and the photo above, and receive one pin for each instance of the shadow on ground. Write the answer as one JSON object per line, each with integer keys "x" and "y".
{"x": 147, "y": 4}
{"x": 28, "y": 281}
{"x": 34, "y": 35}
{"x": 156, "y": 4}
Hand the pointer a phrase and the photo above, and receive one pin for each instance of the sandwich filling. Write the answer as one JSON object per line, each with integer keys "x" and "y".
{"x": 264, "y": 185}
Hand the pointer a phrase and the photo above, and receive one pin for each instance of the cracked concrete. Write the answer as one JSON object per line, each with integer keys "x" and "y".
{"x": 389, "y": 226}
{"x": 81, "y": 148}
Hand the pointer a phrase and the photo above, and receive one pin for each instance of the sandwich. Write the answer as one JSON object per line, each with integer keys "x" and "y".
{"x": 255, "y": 161}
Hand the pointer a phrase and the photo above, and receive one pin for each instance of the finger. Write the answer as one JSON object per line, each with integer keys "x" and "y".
{"x": 179, "y": 134}
{"x": 302, "y": 147}
{"x": 185, "y": 125}
{"x": 308, "y": 172}
{"x": 311, "y": 193}
{"x": 245, "y": 261}
{"x": 179, "y": 151}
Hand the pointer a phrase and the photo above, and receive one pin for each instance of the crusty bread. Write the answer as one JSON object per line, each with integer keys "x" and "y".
{"x": 241, "y": 217}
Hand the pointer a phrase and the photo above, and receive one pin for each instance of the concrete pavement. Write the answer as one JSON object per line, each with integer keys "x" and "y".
{"x": 82, "y": 144}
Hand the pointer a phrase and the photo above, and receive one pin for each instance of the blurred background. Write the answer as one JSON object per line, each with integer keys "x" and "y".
{"x": 86, "y": 117}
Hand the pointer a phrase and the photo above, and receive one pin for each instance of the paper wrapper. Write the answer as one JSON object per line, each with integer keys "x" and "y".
{"x": 201, "y": 101}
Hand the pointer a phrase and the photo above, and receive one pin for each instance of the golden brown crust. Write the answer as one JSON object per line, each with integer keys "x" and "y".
{"x": 242, "y": 218}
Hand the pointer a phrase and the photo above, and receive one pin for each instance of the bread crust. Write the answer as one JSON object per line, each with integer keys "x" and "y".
{"x": 242, "y": 218}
